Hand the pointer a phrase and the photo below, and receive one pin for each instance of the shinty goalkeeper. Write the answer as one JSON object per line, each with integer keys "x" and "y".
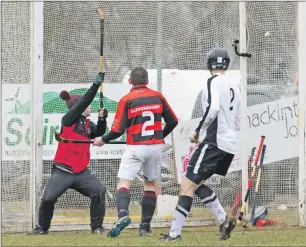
{"x": 70, "y": 165}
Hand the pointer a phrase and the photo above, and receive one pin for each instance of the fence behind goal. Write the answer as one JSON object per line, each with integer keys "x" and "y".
{"x": 48, "y": 48}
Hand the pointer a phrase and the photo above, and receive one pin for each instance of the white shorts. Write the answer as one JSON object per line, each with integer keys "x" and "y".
{"x": 135, "y": 157}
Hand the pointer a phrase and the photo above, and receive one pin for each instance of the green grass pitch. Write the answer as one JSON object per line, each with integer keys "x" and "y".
{"x": 191, "y": 236}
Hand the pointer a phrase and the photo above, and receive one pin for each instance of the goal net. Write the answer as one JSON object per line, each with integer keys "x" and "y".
{"x": 273, "y": 103}
{"x": 16, "y": 158}
{"x": 171, "y": 40}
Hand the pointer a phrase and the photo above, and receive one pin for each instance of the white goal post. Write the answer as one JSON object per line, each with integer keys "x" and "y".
{"x": 37, "y": 78}
{"x": 302, "y": 101}
{"x": 45, "y": 51}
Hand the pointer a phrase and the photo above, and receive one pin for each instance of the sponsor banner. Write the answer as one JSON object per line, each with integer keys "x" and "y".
{"x": 17, "y": 118}
{"x": 277, "y": 120}
{"x": 17, "y": 138}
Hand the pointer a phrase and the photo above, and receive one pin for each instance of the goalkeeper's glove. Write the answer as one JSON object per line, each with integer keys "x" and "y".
{"x": 99, "y": 78}
{"x": 102, "y": 114}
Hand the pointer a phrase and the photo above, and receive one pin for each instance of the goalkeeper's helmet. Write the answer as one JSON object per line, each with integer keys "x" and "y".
{"x": 218, "y": 58}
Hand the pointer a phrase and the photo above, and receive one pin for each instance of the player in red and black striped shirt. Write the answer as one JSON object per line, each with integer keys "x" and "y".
{"x": 140, "y": 114}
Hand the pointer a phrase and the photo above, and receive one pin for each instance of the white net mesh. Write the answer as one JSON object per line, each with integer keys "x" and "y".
{"x": 16, "y": 116}
{"x": 272, "y": 71}
{"x": 165, "y": 37}
{"x": 171, "y": 40}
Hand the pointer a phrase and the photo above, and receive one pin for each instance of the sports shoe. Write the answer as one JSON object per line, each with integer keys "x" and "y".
{"x": 98, "y": 230}
{"x": 168, "y": 238}
{"x": 119, "y": 226}
{"x": 226, "y": 228}
{"x": 144, "y": 230}
{"x": 38, "y": 230}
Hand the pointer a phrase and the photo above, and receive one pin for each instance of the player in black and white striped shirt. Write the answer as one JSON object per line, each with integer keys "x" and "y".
{"x": 220, "y": 122}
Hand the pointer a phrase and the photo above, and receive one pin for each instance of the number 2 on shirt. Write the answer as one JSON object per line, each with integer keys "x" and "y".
{"x": 147, "y": 123}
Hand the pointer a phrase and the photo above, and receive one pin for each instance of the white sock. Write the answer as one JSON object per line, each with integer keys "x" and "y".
{"x": 178, "y": 221}
{"x": 212, "y": 202}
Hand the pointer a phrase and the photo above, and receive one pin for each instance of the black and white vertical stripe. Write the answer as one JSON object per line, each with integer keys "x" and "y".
{"x": 209, "y": 103}
{"x": 200, "y": 158}
{"x": 211, "y": 132}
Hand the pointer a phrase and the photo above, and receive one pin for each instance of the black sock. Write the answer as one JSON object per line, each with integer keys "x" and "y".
{"x": 123, "y": 202}
{"x": 184, "y": 203}
{"x": 205, "y": 193}
{"x": 211, "y": 201}
{"x": 148, "y": 206}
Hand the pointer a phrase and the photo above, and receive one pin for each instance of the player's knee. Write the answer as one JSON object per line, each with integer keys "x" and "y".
{"x": 102, "y": 189}
{"x": 149, "y": 185}
{"x": 48, "y": 199}
{"x": 188, "y": 187}
{"x": 149, "y": 188}
{"x": 124, "y": 183}
{"x": 98, "y": 196}
{"x": 186, "y": 192}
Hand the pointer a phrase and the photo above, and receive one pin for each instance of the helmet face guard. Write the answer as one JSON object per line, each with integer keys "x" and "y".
{"x": 218, "y": 58}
